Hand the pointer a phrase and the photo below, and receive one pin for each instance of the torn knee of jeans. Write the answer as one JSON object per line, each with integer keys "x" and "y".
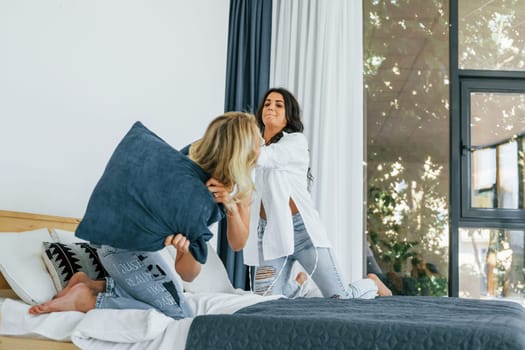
{"x": 263, "y": 279}
{"x": 264, "y": 272}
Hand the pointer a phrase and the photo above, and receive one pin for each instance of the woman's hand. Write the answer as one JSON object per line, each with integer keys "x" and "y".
{"x": 179, "y": 241}
{"x": 186, "y": 266}
{"x": 220, "y": 192}
{"x": 237, "y": 214}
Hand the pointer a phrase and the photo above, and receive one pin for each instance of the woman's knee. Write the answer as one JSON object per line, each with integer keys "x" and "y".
{"x": 264, "y": 279}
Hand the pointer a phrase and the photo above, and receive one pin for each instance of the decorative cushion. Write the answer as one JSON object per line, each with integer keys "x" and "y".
{"x": 149, "y": 190}
{"x": 63, "y": 260}
{"x": 22, "y": 265}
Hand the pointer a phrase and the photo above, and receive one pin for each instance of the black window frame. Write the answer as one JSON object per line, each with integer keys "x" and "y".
{"x": 461, "y": 216}
{"x": 495, "y": 217}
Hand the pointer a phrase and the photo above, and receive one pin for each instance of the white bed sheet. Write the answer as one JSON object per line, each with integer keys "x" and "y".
{"x": 119, "y": 329}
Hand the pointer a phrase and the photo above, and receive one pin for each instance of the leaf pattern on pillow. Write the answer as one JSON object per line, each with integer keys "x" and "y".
{"x": 64, "y": 260}
{"x": 92, "y": 252}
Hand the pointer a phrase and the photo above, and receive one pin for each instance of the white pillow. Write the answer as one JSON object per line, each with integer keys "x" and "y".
{"x": 22, "y": 265}
{"x": 212, "y": 278}
{"x": 66, "y": 237}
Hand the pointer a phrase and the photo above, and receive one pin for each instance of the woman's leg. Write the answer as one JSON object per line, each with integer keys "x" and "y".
{"x": 318, "y": 262}
{"x": 271, "y": 276}
{"x": 329, "y": 279}
{"x": 141, "y": 280}
{"x": 79, "y": 297}
{"x": 81, "y": 277}
{"x": 382, "y": 289}
{"x": 322, "y": 266}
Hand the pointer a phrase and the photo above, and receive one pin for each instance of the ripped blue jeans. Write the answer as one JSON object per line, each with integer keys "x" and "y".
{"x": 141, "y": 280}
{"x": 273, "y": 276}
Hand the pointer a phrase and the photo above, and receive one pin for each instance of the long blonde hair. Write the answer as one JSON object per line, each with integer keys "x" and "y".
{"x": 227, "y": 151}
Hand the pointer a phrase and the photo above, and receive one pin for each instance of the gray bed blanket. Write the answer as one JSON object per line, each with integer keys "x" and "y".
{"x": 398, "y": 322}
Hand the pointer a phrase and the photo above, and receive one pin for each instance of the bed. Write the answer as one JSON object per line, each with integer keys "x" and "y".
{"x": 233, "y": 319}
{"x": 210, "y": 293}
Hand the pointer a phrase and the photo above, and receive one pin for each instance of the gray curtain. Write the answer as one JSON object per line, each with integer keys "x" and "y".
{"x": 247, "y": 79}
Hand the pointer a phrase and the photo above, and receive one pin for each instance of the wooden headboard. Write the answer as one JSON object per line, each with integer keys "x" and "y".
{"x": 12, "y": 221}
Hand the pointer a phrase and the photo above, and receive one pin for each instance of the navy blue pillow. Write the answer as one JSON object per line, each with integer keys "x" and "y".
{"x": 148, "y": 191}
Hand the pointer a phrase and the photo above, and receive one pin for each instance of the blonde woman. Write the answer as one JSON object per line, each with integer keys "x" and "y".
{"x": 140, "y": 278}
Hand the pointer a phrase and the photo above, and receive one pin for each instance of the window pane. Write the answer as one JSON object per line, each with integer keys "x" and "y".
{"x": 407, "y": 118}
{"x": 491, "y": 34}
{"x": 497, "y": 131}
{"x": 491, "y": 263}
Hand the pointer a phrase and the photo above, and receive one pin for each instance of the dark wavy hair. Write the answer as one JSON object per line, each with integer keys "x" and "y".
{"x": 292, "y": 110}
{"x": 293, "y": 120}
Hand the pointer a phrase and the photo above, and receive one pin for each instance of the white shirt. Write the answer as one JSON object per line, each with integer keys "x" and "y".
{"x": 281, "y": 174}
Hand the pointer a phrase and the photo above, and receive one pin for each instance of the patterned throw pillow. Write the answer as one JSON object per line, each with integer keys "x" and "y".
{"x": 63, "y": 260}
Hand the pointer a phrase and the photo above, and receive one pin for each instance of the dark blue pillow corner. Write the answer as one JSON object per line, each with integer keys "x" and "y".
{"x": 149, "y": 190}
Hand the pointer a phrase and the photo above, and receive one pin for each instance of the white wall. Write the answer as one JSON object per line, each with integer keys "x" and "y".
{"x": 75, "y": 75}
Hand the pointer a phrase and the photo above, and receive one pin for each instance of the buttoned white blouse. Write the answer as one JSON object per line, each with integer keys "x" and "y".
{"x": 281, "y": 174}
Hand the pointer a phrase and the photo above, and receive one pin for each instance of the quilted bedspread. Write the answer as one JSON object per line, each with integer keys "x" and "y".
{"x": 398, "y": 322}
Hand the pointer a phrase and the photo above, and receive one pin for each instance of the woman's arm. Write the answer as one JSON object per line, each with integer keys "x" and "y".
{"x": 238, "y": 221}
{"x": 186, "y": 266}
{"x": 237, "y": 214}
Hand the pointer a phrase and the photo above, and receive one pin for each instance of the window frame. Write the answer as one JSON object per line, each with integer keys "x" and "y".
{"x": 495, "y": 217}
{"x": 457, "y": 219}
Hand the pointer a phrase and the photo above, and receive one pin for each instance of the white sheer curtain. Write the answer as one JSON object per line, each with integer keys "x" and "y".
{"x": 317, "y": 55}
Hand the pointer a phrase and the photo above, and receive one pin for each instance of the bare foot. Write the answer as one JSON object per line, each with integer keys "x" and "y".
{"x": 81, "y": 277}
{"x": 301, "y": 278}
{"x": 79, "y": 298}
{"x": 397, "y": 282}
{"x": 382, "y": 290}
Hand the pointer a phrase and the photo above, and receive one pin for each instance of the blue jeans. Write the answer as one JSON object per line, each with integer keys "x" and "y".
{"x": 273, "y": 276}
{"x": 141, "y": 280}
